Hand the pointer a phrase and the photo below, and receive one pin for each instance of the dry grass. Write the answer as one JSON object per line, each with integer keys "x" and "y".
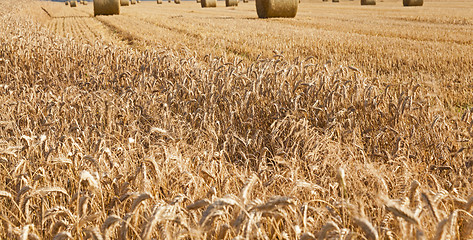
{"x": 411, "y": 45}
{"x": 108, "y": 141}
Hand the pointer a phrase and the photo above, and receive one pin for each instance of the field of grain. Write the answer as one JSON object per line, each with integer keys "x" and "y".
{"x": 172, "y": 121}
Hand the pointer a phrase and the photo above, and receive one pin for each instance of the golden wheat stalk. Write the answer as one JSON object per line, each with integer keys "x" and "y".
{"x": 63, "y": 236}
{"x": 93, "y": 233}
{"x": 370, "y": 232}
{"x": 432, "y": 208}
{"x": 198, "y": 204}
{"x": 402, "y": 212}
{"x": 136, "y": 202}
{"x": 247, "y": 188}
{"x": 329, "y": 226}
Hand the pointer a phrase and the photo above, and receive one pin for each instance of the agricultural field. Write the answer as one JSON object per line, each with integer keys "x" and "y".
{"x": 171, "y": 121}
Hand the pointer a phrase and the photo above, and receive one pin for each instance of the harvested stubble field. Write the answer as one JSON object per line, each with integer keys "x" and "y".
{"x": 175, "y": 122}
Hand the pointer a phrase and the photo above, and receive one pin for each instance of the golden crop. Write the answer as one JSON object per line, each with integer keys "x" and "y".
{"x": 176, "y": 122}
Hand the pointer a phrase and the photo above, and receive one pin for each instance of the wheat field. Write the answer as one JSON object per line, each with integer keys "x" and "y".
{"x": 177, "y": 122}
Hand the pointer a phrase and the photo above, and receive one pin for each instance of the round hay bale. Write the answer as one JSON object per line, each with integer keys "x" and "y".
{"x": 106, "y": 7}
{"x": 412, "y": 3}
{"x": 198, "y": 1}
{"x": 276, "y": 8}
{"x": 133, "y": 1}
{"x": 324, "y": 0}
{"x": 208, "y": 3}
{"x": 231, "y": 3}
{"x": 335, "y": 1}
{"x": 66, "y": 2}
{"x": 368, "y": 2}
{"x": 245, "y": 1}
{"x": 177, "y": 1}
{"x": 124, "y": 2}
{"x": 138, "y": 1}
{"x": 73, "y": 3}
{"x": 159, "y": 1}
{"x": 84, "y": 3}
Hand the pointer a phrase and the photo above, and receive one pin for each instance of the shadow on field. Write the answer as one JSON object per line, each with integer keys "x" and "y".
{"x": 64, "y": 17}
